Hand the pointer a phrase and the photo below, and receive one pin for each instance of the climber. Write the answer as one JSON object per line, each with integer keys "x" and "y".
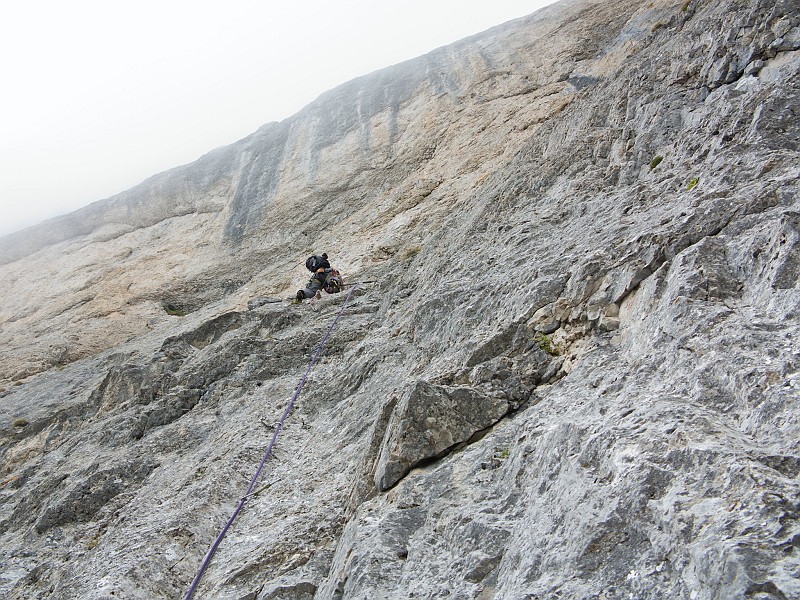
{"x": 324, "y": 277}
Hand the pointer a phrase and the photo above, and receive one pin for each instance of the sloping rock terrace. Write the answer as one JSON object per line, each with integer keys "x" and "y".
{"x": 577, "y": 375}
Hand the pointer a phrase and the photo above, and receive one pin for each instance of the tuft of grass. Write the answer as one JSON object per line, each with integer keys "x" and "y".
{"x": 546, "y": 344}
{"x": 411, "y": 251}
{"x": 20, "y": 423}
{"x": 692, "y": 182}
{"x": 499, "y": 455}
{"x": 173, "y": 310}
{"x": 685, "y": 6}
{"x": 655, "y": 162}
{"x": 92, "y": 542}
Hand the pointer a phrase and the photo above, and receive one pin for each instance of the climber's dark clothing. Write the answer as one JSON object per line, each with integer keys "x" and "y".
{"x": 324, "y": 277}
{"x": 314, "y": 284}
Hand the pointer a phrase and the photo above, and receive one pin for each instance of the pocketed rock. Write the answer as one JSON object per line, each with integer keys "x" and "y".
{"x": 562, "y": 372}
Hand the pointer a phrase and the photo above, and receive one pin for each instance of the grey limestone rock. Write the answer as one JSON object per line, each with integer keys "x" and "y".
{"x": 430, "y": 420}
{"x": 570, "y": 370}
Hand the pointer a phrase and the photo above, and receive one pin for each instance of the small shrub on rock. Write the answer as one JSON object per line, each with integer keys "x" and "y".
{"x": 546, "y": 344}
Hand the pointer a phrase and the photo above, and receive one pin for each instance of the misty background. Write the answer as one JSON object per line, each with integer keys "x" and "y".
{"x": 98, "y": 96}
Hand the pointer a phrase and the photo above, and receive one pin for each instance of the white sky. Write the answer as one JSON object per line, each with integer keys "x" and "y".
{"x": 99, "y": 95}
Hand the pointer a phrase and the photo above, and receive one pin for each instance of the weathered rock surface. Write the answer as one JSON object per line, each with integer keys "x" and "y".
{"x": 577, "y": 376}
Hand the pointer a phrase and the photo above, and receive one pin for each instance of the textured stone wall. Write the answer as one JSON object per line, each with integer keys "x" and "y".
{"x": 577, "y": 374}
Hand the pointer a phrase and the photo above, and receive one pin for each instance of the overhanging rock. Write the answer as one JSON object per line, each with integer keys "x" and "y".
{"x": 428, "y": 421}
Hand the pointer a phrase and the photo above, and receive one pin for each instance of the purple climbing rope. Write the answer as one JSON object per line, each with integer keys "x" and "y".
{"x": 278, "y": 428}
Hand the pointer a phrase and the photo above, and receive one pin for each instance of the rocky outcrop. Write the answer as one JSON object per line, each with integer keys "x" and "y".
{"x": 576, "y": 374}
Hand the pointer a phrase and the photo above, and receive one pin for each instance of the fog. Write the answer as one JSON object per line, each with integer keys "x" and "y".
{"x": 98, "y": 96}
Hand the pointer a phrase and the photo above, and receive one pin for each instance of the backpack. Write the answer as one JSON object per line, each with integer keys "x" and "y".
{"x": 315, "y": 262}
{"x": 312, "y": 263}
{"x": 333, "y": 282}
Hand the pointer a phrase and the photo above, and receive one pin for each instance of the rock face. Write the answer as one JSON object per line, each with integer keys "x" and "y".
{"x": 577, "y": 376}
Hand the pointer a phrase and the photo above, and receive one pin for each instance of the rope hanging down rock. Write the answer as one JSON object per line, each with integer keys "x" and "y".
{"x": 278, "y": 428}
